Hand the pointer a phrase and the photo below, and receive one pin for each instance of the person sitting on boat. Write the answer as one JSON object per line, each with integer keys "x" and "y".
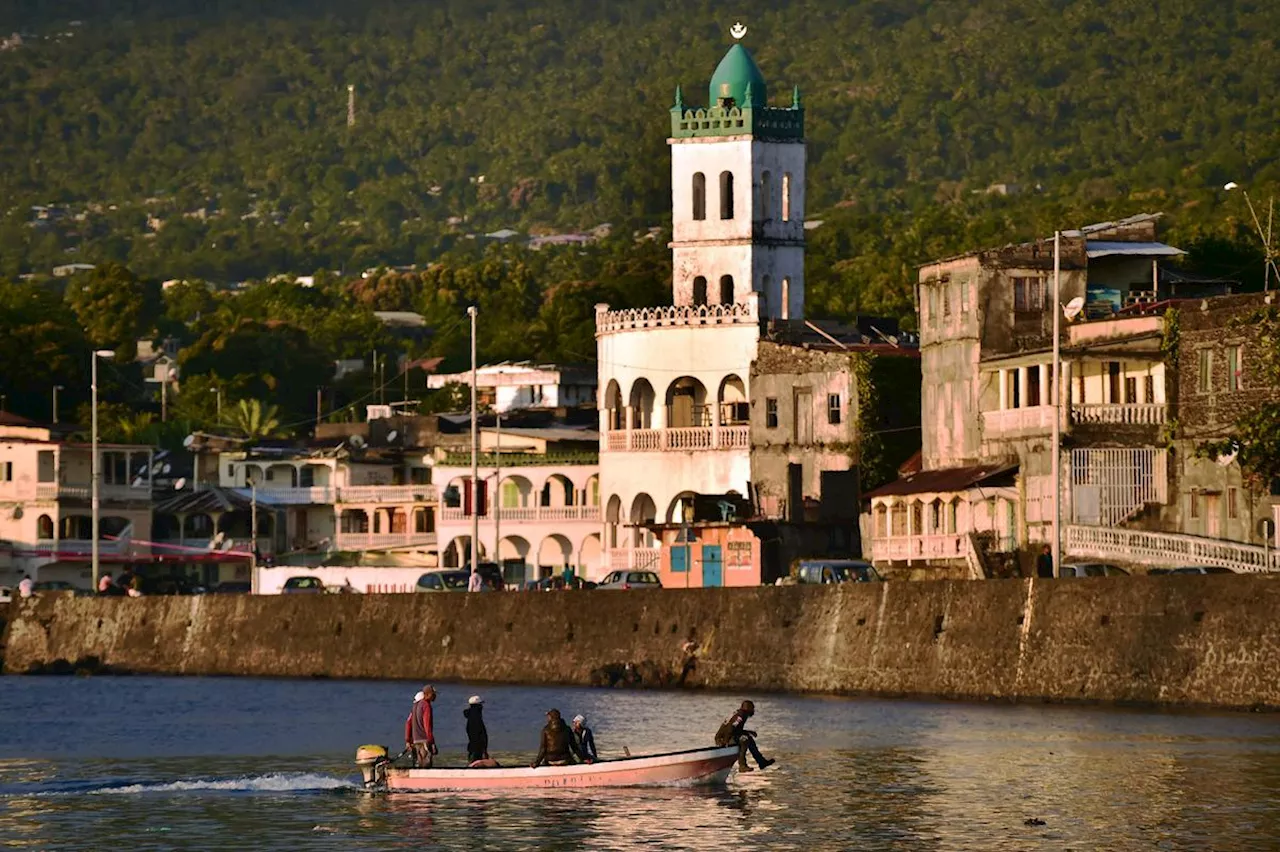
{"x": 419, "y": 729}
{"x": 477, "y": 733}
{"x": 584, "y": 739}
{"x": 733, "y": 732}
{"x": 557, "y": 747}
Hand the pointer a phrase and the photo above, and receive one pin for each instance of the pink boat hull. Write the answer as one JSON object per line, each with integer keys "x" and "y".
{"x": 699, "y": 766}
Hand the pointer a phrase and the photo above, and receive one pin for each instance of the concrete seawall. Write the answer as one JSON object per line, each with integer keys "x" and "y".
{"x": 1191, "y": 641}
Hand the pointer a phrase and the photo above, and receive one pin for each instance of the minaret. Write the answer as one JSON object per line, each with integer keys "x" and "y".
{"x": 737, "y": 187}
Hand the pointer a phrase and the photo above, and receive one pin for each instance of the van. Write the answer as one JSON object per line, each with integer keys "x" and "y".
{"x": 835, "y": 571}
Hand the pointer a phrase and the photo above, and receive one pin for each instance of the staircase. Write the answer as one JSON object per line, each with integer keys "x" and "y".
{"x": 1167, "y": 550}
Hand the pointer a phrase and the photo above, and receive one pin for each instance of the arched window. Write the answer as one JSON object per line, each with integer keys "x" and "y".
{"x": 766, "y": 197}
{"x": 784, "y": 310}
{"x": 726, "y": 195}
{"x": 726, "y": 289}
{"x": 786, "y": 197}
{"x": 44, "y": 528}
{"x": 699, "y": 290}
{"x": 699, "y": 196}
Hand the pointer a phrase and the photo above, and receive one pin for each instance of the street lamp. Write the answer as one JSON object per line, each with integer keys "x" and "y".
{"x": 56, "y": 388}
{"x": 96, "y": 500}
{"x": 475, "y": 453}
{"x": 218, "y": 391}
{"x": 1269, "y": 261}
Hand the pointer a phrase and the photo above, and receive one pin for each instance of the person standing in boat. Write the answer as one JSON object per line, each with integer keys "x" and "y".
{"x": 477, "y": 733}
{"x": 419, "y": 729}
{"x": 584, "y": 739}
{"x": 733, "y": 732}
{"x": 557, "y": 747}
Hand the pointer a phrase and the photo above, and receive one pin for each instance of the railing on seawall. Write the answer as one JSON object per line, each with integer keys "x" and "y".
{"x": 1168, "y": 549}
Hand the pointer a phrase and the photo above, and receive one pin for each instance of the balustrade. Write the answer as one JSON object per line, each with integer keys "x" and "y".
{"x": 1132, "y": 414}
{"x": 1168, "y": 549}
{"x": 680, "y": 439}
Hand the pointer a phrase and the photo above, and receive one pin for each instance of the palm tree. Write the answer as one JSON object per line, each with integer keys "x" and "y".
{"x": 253, "y": 420}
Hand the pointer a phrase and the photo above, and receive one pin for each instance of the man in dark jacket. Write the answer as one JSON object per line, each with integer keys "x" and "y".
{"x": 477, "y": 733}
{"x": 557, "y": 747}
{"x": 733, "y": 732}
{"x": 1044, "y": 563}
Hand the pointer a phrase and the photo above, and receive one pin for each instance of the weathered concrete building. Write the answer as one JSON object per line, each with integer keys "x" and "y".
{"x": 1127, "y": 462}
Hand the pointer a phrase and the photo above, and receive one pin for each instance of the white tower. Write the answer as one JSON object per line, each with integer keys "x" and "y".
{"x": 737, "y": 187}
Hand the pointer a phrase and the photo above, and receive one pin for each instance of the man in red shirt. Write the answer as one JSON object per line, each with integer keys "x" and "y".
{"x": 419, "y": 729}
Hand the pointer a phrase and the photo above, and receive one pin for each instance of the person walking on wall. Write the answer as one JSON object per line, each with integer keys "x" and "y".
{"x": 584, "y": 739}
{"x": 25, "y": 586}
{"x": 475, "y": 583}
{"x": 419, "y": 729}
{"x": 477, "y": 733}
{"x": 1044, "y": 562}
{"x": 733, "y": 732}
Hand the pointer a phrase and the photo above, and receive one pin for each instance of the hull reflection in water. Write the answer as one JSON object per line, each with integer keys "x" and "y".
{"x": 696, "y": 766}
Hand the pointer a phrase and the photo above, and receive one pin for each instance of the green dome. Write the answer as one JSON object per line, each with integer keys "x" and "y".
{"x": 734, "y": 73}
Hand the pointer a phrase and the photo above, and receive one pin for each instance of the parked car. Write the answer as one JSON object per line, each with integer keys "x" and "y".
{"x": 53, "y": 586}
{"x": 490, "y": 572}
{"x": 172, "y": 584}
{"x": 443, "y": 580}
{"x": 1193, "y": 569}
{"x": 630, "y": 580}
{"x": 233, "y": 587}
{"x": 834, "y": 571}
{"x": 303, "y": 586}
{"x": 6, "y": 594}
{"x": 1091, "y": 569}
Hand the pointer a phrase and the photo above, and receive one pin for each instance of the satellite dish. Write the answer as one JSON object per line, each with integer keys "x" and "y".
{"x": 137, "y": 483}
{"x": 188, "y": 441}
{"x": 392, "y": 435}
{"x": 1072, "y": 309}
{"x": 356, "y": 441}
{"x": 168, "y": 468}
{"x": 180, "y": 484}
{"x": 1226, "y": 460}
{"x": 16, "y": 514}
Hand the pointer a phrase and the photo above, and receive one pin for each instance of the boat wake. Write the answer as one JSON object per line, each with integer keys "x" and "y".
{"x": 276, "y": 782}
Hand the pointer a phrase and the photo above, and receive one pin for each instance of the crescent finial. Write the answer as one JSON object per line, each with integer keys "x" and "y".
{"x": 738, "y": 30}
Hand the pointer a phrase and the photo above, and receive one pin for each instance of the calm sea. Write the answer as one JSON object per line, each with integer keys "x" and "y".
{"x": 213, "y": 764}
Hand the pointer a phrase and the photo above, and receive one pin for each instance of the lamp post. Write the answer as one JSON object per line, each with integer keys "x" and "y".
{"x": 56, "y": 388}
{"x": 1269, "y": 260}
{"x": 1056, "y": 386}
{"x": 475, "y": 453}
{"x": 218, "y": 392}
{"x": 96, "y": 462}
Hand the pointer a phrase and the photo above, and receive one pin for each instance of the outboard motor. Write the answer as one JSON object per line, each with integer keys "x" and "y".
{"x": 373, "y": 761}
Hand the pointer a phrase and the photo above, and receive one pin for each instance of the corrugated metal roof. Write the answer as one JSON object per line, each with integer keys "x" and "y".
{"x": 1107, "y": 248}
{"x": 946, "y": 479}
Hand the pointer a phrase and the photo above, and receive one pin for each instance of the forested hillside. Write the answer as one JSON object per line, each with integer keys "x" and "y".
{"x": 226, "y": 121}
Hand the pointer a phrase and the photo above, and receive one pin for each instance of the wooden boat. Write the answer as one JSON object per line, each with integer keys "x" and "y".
{"x": 679, "y": 768}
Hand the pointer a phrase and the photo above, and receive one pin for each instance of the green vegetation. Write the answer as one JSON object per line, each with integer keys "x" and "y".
{"x": 209, "y": 142}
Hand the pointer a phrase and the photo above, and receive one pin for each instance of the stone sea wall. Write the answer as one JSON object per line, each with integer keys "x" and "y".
{"x": 1187, "y": 640}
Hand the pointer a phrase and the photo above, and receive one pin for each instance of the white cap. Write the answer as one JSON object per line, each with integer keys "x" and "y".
{"x": 579, "y": 718}
{"x": 418, "y": 696}
{"x": 475, "y": 699}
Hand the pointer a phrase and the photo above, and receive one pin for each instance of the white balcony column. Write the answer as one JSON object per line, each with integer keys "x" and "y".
{"x": 1022, "y": 387}
{"x": 1004, "y": 388}
{"x": 604, "y": 420}
{"x": 629, "y": 417}
{"x": 1065, "y": 378}
{"x": 1045, "y": 397}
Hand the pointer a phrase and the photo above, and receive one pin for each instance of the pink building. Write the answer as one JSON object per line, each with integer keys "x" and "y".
{"x": 706, "y": 554}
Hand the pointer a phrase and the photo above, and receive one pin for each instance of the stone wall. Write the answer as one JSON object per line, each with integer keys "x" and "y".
{"x": 1200, "y": 641}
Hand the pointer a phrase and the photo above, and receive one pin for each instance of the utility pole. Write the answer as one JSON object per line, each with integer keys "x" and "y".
{"x": 56, "y": 388}
{"x": 497, "y": 492}
{"x": 253, "y": 534}
{"x": 351, "y": 105}
{"x": 1269, "y": 253}
{"x": 95, "y": 502}
{"x": 1056, "y": 382}
{"x": 319, "y": 405}
{"x": 164, "y": 397}
{"x": 475, "y": 452}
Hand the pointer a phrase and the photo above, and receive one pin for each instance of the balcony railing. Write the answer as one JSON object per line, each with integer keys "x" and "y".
{"x": 677, "y": 316}
{"x": 679, "y": 439}
{"x": 1012, "y": 421}
{"x": 529, "y": 513}
{"x": 1132, "y": 414}
{"x": 382, "y": 541}
{"x": 918, "y": 547}
{"x": 55, "y": 491}
{"x": 1168, "y": 550}
{"x": 514, "y": 459}
{"x": 321, "y": 495}
{"x": 633, "y": 559}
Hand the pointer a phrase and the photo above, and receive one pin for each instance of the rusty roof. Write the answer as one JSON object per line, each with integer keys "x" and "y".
{"x": 945, "y": 479}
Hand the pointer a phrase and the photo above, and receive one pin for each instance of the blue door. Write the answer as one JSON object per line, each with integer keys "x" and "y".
{"x": 712, "y": 575}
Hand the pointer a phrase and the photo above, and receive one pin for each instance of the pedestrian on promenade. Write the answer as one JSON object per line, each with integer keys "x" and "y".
{"x": 475, "y": 583}
{"x": 1044, "y": 562}
{"x": 733, "y": 732}
{"x": 419, "y": 729}
{"x": 477, "y": 733}
{"x": 25, "y": 586}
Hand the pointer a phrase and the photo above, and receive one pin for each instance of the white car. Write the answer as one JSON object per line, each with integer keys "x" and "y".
{"x": 631, "y": 580}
